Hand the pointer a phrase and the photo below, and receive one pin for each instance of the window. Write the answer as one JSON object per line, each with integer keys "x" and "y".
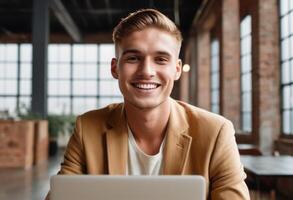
{"x": 246, "y": 80}
{"x": 215, "y": 76}
{"x": 286, "y": 41}
{"x": 80, "y": 78}
{"x": 15, "y": 77}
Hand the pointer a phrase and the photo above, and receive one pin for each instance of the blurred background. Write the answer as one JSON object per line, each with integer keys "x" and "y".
{"x": 55, "y": 64}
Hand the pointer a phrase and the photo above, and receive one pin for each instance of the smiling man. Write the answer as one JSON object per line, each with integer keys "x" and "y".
{"x": 150, "y": 133}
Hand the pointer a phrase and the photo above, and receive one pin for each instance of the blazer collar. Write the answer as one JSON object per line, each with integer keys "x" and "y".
{"x": 177, "y": 144}
{"x": 117, "y": 141}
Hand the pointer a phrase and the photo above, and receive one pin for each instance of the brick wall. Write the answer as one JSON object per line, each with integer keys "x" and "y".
{"x": 265, "y": 65}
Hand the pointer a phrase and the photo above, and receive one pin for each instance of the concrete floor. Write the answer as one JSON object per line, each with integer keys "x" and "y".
{"x": 31, "y": 184}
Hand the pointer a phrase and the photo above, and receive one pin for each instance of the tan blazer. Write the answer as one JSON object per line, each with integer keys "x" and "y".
{"x": 198, "y": 142}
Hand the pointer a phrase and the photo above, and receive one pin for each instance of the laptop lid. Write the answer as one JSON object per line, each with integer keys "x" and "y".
{"x": 95, "y": 187}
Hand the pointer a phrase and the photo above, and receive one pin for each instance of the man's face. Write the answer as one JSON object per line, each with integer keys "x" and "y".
{"x": 146, "y": 67}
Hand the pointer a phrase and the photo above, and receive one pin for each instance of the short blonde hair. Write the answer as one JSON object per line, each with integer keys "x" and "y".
{"x": 142, "y": 19}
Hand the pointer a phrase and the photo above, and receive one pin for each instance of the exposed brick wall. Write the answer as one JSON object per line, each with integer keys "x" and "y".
{"x": 230, "y": 61}
{"x": 265, "y": 65}
{"x": 203, "y": 70}
{"x": 267, "y": 74}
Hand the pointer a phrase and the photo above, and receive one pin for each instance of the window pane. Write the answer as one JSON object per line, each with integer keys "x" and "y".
{"x": 104, "y": 101}
{"x": 60, "y": 87}
{"x": 78, "y": 71}
{"x": 291, "y": 41}
{"x": 26, "y": 53}
{"x": 291, "y": 22}
{"x": 215, "y": 81}
{"x": 90, "y": 88}
{"x": 91, "y": 53}
{"x": 11, "y": 52}
{"x": 285, "y": 49}
{"x": 91, "y": 71}
{"x": 286, "y": 97}
{"x": 78, "y": 88}
{"x": 284, "y": 6}
{"x": 2, "y": 70}
{"x": 109, "y": 87}
{"x": 105, "y": 71}
{"x": 81, "y": 105}
{"x": 8, "y": 104}
{"x": 78, "y": 53}
{"x": 11, "y": 70}
{"x": 246, "y": 122}
{"x": 285, "y": 72}
{"x": 215, "y": 96}
{"x": 284, "y": 26}
{"x": 59, "y": 106}
{"x": 11, "y": 87}
{"x": 2, "y": 52}
{"x": 64, "y": 71}
{"x": 291, "y": 121}
{"x": 246, "y": 102}
{"x": 291, "y": 98}
{"x": 286, "y": 121}
{"x": 107, "y": 52}
{"x": 64, "y": 53}
{"x": 53, "y": 53}
{"x": 26, "y": 71}
{"x": 291, "y": 69}
{"x": 24, "y": 104}
{"x": 25, "y": 87}
{"x": 246, "y": 82}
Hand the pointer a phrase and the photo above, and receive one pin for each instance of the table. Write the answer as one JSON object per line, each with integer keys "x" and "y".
{"x": 269, "y": 167}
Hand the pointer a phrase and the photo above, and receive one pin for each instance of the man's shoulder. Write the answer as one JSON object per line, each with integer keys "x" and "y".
{"x": 201, "y": 114}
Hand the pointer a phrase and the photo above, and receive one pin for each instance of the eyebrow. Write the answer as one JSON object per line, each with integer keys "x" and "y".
{"x": 165, "y": 53}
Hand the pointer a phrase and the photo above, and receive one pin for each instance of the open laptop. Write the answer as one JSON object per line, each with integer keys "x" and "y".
{"x": 95, "y": 187}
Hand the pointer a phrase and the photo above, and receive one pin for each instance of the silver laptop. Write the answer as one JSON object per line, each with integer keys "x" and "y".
{"x": 92, "y": 187}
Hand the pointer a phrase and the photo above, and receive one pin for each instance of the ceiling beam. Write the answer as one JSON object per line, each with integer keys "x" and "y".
{"x": 108, "y": 6}
{"x": 65, "y": 19}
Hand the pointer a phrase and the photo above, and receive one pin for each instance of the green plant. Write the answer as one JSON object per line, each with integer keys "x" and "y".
{"x": 59, "y": 124}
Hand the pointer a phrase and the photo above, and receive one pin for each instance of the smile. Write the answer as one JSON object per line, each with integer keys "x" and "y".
{"x": 146, "y": 86}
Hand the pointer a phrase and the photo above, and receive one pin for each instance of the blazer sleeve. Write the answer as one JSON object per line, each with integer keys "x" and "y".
{"x": 74, "y": 157}
{"x": 226, "y": 171}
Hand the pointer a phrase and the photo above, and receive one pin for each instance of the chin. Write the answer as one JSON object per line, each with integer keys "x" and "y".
{"x": 144, "y": 104}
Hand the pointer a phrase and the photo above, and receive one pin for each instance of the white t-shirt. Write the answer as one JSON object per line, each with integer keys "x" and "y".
{"x": 139, "y": 163}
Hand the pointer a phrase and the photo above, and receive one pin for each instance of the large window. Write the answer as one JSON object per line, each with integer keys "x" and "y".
{"x": 246, "y": 80}
{"x": 215, "y": 76}
{"x": 79, "y": 77}
{"x": 286, "y": 36}
{"x": 15, "y": 77}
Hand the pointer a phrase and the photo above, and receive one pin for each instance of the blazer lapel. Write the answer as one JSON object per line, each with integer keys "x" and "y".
{"x": 117, "y": 138}
{"x": 178, "y": 143}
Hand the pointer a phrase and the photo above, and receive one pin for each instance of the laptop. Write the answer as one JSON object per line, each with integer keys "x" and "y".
{"x": 105, "y": 187}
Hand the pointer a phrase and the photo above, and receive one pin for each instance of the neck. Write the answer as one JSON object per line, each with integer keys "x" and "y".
{"x": 148, "y": 124}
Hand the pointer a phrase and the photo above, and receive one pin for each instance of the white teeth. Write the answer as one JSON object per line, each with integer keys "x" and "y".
{"x": 147, "y": 86}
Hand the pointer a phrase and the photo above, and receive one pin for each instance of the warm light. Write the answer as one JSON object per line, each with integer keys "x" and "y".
{"x": 186, "y": 67}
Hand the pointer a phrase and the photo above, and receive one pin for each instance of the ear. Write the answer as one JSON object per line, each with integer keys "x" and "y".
{"x": 178, "y": 69}
{"x": 114, "y": 68}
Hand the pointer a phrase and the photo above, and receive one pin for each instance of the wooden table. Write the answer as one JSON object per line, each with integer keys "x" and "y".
{"x": 269, "y": 167}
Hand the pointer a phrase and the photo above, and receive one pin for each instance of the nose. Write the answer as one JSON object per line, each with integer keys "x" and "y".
{"x": 147, "y": 68}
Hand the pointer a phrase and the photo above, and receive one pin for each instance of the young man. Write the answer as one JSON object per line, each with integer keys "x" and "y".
{"x": 150, "y": 133}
